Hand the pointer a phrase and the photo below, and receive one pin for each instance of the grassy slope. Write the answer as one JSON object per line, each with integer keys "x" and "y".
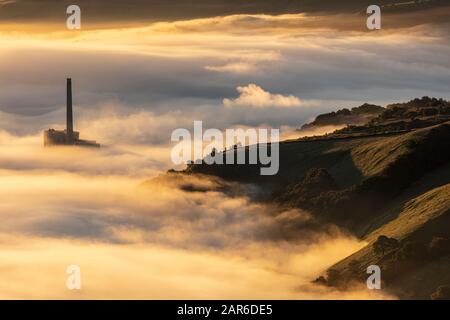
{"x": 419, "y": 209}
{"x": 373, "y": 157}
{"x": 296, "y": 157}
{"x": 411, "y": 219}
{"x": 349, "y": 161}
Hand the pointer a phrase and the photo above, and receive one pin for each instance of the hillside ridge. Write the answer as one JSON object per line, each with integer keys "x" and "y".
{"x": 386, "y": 181}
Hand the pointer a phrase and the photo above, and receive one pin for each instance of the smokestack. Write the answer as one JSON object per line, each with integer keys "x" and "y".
{"x": 69, "y": 115}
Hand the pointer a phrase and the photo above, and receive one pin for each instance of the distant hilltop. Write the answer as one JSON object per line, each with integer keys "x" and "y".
{"x": 371, "y": 119}
{"x": 67, "y": 137}
{"x": 357, "y": 115}
{"x": 415, "y": 114}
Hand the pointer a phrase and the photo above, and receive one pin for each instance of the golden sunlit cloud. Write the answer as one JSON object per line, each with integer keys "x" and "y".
{"x": 150, "y": 272}
{"x": 255, "y": 96}
{"x": 144, "y": 242}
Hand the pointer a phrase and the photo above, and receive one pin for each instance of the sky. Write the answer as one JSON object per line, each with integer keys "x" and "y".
{"x": 192, "y": 67}
{"x": 146, "y": 10}
{"x": 135, "y": 80}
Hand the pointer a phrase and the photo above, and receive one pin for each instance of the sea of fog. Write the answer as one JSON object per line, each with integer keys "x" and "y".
{"x": 90, "y": 208}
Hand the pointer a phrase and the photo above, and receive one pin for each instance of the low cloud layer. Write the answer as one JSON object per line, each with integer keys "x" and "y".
{"x": 37, "y": 271}
{"x": 136, "y": 239}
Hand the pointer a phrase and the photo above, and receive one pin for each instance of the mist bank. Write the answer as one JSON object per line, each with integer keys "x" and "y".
{"x": 141, "y": 238}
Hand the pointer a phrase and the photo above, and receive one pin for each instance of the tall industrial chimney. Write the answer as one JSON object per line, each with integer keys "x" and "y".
{"x": 69, "y": 115}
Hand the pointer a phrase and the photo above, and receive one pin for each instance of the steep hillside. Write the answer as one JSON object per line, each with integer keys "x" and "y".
{"x": 365, "y": 169}
{"x": 296, "y": 158}
{"x": 390, "y": 188}
{"x": 418, "y": 225}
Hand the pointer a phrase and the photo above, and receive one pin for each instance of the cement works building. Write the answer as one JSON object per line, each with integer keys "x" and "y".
{"x": 67, "y": 137}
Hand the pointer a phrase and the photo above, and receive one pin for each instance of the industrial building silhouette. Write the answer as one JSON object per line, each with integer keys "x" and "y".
{"x": 67, "y": 137}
